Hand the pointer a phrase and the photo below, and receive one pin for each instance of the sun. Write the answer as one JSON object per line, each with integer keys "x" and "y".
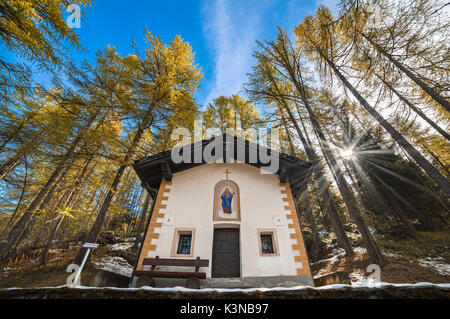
{"x": 347, "y": 154}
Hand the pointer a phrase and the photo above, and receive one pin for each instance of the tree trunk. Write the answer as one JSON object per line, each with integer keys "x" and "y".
{"x": 434, "y": 95}
{"x": 403, "y": 217}
{"x": 136, "y": 212}
{"x": 50, "y": 240}
{"x": 288, "y": 134}
{"x": 99, "y": 221}
{"x": 312, "y": 223}
{"x": 325, "y": 221}
{"x": 76, "y": 186}
{"x": 415, "y": 109}
{"x": 137, "y": 199}
{"x": 15, "y": 214}
{"x": 356, "y": 185}
{"x": 142, "y": 220}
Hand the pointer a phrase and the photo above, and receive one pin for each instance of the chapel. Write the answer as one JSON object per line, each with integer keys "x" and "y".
{"x": 223, "y": 223}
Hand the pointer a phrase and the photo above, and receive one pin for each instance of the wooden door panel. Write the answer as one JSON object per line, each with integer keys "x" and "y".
{"x": 226, "y": 256}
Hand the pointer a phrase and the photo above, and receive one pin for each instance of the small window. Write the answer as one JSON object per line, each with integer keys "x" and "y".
{"x": 268, "y": 245}
{"x": 184, "y": 244}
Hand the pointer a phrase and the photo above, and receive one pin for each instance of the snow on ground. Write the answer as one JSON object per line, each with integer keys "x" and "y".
{"x": 335, "y": 254}
{"x": 116, "y": 264}
{"x": 121, "y": 246}
{"x": 436, "y": 264}
{"x": 360, "y": 250}
{"x": 392, "y": 255}
{"x": 339, "y": 252}
{"x": 356, "y": 277}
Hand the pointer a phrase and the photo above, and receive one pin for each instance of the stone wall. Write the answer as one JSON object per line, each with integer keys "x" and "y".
{"x": 345, "y": 292}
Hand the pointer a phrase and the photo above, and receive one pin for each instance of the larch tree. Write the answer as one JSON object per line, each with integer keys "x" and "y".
{"x": 219, "y": 114}
{"x": 155, "y": 82}
{"x": 265, "y": 85}
{"x": 36, "y": 31}
{"x": 318, "y": 39}
{"x": 288, "y": 58}
{"x": 410, "y": 36}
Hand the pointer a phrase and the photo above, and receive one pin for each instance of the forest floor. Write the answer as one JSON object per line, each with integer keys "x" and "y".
{"x": 424, "y": 259}
{"x": 25, "y": 272}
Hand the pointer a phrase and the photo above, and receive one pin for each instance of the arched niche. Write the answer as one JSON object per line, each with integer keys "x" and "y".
{"x": 227, "y": 206}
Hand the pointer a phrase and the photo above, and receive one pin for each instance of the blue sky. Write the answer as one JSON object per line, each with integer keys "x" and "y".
{"x": 222, "y": 33}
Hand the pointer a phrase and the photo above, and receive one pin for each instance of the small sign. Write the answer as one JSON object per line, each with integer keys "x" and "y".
{"x": 75, "y": 281}
{"x": 90, "y": 245}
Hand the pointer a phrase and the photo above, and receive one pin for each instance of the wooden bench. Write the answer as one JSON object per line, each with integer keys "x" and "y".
{"x": 145, "y": 277}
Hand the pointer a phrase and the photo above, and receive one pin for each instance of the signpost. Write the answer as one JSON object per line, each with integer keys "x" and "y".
{"x": 89, "y": 246}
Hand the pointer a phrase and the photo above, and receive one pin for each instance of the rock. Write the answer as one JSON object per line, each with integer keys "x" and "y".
{"x": 104, "y": 278}
{"x": 339, "y": 277}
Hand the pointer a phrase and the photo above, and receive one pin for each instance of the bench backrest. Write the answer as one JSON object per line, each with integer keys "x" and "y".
{"x": 176, "y": 262}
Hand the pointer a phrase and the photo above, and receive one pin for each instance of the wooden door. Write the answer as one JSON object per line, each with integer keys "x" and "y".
{"x": 226, "y": 256}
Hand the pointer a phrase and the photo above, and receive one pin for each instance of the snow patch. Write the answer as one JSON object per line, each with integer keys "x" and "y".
{"x": 116, "y": 265}
{"x": 392, "y": 255}
{"x": 436, "y": 264}
{"x": 121, "y": 246}
{"x": 360, "y": 250}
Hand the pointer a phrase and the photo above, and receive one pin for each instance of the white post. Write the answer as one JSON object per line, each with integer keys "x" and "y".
{"x": 81, "y": 266}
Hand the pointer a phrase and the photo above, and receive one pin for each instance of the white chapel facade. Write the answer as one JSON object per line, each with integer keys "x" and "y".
{"x": 229, "y": 217}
